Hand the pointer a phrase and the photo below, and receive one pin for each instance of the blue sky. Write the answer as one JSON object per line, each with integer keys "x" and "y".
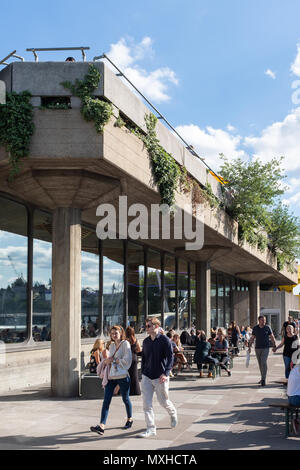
{"x": 220, "y": 71}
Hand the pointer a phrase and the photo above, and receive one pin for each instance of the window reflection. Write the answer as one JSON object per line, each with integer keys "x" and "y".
{"x": 183, "y": 304}
{"x": 170, "y": 293}
{"x": 89, "y": 283}
{"x": 136, "y": 274}
{"x": 13, "y": 271}
{"x": 113, "y": 284}
{"x": 42, "y": 286}
{"x": 154, "y": 284}
{"x": 193, "y": 293}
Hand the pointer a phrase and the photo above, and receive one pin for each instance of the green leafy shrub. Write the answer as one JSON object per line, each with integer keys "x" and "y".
{"x": 16, "y": 128}
{"x": 92, "y": 108}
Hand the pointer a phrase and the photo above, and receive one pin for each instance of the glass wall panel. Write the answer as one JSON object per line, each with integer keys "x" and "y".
{"x": 170, "y": 293}
{"x": 89, "y": 283}
{"x": 136, "y": 275}
{"x": 220, "y": 288}
{"x": 42, "y": 274}
{"x": 213, "y": 300}
{"x": 13, "y": 271}
{"x": 227, "y": 301}
{"x": 154, "y": 284}
{"x": 193, "y": 294}
{"x": 183, "y": 303}
{"x": 113, "y": 284}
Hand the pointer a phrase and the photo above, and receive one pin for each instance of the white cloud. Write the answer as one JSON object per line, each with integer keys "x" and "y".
{"x": 270, "y": 73}
{"x": 280, "y": 138}
{"x": 154, "y": 84}
{"x": 210, "y": 142}
{"x": 230, "y": 128}
{"x": 295, "y": 66}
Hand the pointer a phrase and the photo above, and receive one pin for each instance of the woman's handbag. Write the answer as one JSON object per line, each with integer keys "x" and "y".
{"x": 103, "y": 369}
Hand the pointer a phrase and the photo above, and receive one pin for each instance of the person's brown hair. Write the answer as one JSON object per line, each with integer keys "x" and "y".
{"x": 99, "y": 344}
{"x": 130, "y": 334}
{"x": 153, "y": 320}
{"x": 120, "y": 329}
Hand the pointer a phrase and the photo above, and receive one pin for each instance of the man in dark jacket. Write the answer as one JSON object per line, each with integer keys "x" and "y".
{"x": 157, "y": 362}
{"x": 202, "y": 355}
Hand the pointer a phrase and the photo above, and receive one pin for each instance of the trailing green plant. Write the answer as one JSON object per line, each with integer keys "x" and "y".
{"x": 166, "y": 170}
{"x": 92, "y": 108}
{"x": 119, "y": 122}
{"x": 16, "y": 128}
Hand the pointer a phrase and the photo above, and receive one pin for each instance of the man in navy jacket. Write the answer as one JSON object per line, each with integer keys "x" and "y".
{"x": 157, "y": 362}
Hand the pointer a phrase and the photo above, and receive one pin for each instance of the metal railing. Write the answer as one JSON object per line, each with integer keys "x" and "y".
{"x": 160, "y": 116}
{"x": 12, "y": 54}
{"x": 34, "y": 50}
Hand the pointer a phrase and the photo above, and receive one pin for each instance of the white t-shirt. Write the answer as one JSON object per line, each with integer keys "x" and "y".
{"x": 293, "y": 387}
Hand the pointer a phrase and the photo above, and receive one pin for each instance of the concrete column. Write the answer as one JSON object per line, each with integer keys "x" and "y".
{"x": 66, "y": 302}
{"x": 203, "y": 307}
{"x": 254, "y": 301}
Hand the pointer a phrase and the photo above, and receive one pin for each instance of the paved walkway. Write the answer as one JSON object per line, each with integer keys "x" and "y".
{"x": 225, "y": 413}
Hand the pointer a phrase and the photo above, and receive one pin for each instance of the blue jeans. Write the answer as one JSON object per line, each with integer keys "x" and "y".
{"x": 108, "y": 393}
{"x": 294, "y": 400}
{"x": 287, "y": 363}
{"x": 208, "y": 360}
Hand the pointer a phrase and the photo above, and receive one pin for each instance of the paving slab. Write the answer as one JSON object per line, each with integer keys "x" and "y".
{"x": 213, "y": 414}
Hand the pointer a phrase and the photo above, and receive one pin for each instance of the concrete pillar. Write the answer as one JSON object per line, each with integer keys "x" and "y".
{"x": 254, "y": 301}
{"x": 66, "y": 302}
{"x": 203, "y": 307}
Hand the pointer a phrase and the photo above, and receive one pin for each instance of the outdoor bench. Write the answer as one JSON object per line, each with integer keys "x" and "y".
{"x": 290, "y": 411}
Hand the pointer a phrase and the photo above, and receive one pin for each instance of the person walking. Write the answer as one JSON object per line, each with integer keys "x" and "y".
{"x": 157, "y": 361}
{"x": 119, "y": 361}
{"x": 135, "y": 388}
{"x": 290, "y": 342}
{"x": 261, "y": 333}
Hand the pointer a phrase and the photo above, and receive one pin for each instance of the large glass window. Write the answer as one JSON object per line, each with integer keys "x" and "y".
{"x": 213, "y": 300}
{"x": 113, "y": 283}
{"x": 220, "y": 284}
{"x": 154, "y": 284}
{"x": 183, "y": 301}
{"x": 41, "y": 286}
{"x": 136, "y": 277}
{"x": 13, "y": 271}
{"x": 170, "y": 293}
{"x": 227, "y": 301}
{"x": 193, "y": 293}
{"x": 89, "y": 283}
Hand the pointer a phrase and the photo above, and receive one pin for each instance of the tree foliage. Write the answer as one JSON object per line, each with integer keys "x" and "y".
{"x": 254, "y": 189}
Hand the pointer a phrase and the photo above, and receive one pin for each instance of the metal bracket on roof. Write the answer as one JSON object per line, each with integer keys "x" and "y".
{"x": 12, "y": 54}
{"x": 39, "y": 49}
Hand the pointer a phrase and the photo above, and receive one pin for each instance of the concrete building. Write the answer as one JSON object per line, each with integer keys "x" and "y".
{"x": 59, "y": 282}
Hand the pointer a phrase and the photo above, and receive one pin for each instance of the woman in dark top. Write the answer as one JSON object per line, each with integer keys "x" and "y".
{"x": 288, "y": 350}
{"x": 202, "y": 355}
{"x": 133, "y": 371}
{"x": 235, "y": 335}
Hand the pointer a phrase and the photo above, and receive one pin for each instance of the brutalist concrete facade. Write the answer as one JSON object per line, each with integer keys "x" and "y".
{"x": 71, "y": 170}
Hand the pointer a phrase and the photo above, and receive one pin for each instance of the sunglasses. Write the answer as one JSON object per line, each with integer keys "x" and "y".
{"x": 149, "y": 326}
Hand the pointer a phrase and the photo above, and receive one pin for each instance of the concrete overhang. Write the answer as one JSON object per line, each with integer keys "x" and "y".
{"x": 70, "y": 164}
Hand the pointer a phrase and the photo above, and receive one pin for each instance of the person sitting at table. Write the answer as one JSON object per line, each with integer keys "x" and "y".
{"x": 202, "y": 355}
{"x": 212, "y": 340}
{"x": 181, "y": 359}
{"x": 185, "y": 338}
{"x": 221, "y": 352}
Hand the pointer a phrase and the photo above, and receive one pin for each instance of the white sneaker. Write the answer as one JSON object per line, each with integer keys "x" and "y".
{"x": 174, "y": 421}
{"x": 148, "y": 433}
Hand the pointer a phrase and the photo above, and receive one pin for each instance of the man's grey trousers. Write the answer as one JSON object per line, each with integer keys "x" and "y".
{"x": 262, "y": 358}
